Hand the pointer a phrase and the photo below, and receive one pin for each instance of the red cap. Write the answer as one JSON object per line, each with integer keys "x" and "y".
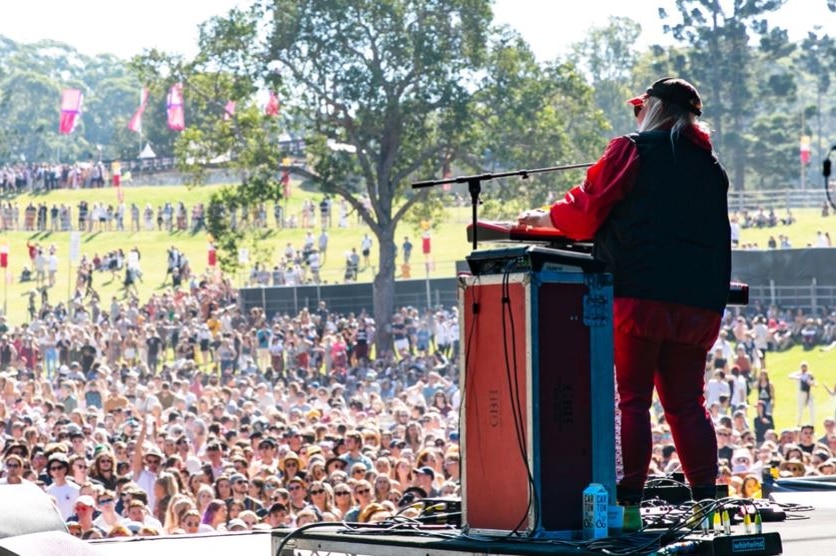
{"x": 636, "y": 101}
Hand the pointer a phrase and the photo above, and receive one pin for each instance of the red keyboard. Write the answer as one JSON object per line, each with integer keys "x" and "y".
{"x": 496, "y": 231}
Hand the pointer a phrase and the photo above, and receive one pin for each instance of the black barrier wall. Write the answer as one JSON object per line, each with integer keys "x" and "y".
{"x": 789, "y": 278}
{"x": 785, "y": 267}
{"x": 348, "y": 298}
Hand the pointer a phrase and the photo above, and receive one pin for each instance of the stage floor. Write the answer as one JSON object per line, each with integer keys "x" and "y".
{"x": 803, "y": 534}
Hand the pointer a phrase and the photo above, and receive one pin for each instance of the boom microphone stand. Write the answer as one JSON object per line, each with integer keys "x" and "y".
{"x": 826, "y": 173}
{"x": 474, "y": 185}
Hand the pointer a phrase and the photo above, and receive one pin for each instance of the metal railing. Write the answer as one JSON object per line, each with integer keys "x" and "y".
{"x": 809, "y": 298}
{"x": 778, "y": 199}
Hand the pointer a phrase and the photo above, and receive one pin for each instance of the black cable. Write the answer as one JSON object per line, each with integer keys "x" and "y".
{"x": 467, "y": 345}
{"x": 512, "y": 377}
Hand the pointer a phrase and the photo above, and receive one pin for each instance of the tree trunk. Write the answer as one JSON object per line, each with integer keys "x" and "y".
{"x": 384, "y": 291}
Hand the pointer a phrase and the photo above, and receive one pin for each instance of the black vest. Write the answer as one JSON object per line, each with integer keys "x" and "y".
{"x": 669, "y": 238}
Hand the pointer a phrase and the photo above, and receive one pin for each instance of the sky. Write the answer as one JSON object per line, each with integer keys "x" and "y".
{"x": 126, "y": 28}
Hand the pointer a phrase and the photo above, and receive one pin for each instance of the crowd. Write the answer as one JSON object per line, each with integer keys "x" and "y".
{"x": 181, "y": 414}
{"x": 18, "y": 178}
{"x": 740, "y": 394}
{"x": 170, "y": 217}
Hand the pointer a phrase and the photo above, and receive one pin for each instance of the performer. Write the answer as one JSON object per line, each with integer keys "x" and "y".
{"x": 655, "y": 204}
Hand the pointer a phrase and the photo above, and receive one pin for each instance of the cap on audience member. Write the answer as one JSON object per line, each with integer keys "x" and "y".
{"x": 429, "y": 471}
{"x": 236, "y": 524}
{"x": 85, "y": 500}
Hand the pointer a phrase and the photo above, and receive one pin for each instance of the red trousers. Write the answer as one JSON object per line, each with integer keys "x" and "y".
{"x": 676, "y": 370}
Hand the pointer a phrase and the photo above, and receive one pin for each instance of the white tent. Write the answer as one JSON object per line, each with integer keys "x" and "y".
{"x": 147, "y": 152}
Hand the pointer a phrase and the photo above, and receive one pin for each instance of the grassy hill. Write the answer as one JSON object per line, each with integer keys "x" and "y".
{"x": 449, "y": 244}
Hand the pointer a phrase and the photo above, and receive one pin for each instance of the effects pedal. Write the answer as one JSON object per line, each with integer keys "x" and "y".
{"x": 760, "y": 544}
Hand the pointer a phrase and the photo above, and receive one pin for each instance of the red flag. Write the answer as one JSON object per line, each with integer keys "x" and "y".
{"x": 174, "y": 108}
{"x": 136, "y": 120}
{"x": 285, "y": 181}
{"x": 272, "y": 108}
{"x": 212, "y": 255}
{"x": 805, "y": 149}
{"x": 71, "y": 100}
{"x": 229, "y": 110}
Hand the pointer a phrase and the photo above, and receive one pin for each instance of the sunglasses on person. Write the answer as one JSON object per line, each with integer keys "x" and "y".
{"x": 153, "y": 461}
{"x": 12, "y": 465}
{"x": 341, "y": 493}
{"x": 191, "y": 523}
{"x": 317, "y": 491}
{"x": 293, "y": 487}
{"x": 359, "y": 471}
{"x": 105, "y": 501}
{"x": 57, "y": 468}
{"x": 362, "y": 491}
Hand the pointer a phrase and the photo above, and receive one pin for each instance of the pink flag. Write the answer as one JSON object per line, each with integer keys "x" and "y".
{"x": 229, "y": 110}
{"x": 272, "y": 108}
{"x": 136, "y": 120}
{"x": 174, "y": 108}
{"x": 71, "y": 100}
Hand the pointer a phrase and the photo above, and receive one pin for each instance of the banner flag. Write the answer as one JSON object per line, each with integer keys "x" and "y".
{"x": 135, "y": 124}
{"x": 805, "y": 149}
{"x": 174, "y": 108}
{"x": 229, "y": 110}
{"x": 272, "y": 108}
{"x": 71, "y": 100}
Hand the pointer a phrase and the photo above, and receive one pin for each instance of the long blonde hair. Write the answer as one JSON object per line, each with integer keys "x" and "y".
{"x": 658, "y": 114}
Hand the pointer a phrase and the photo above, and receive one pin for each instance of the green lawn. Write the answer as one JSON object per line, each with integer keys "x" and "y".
{"x": 449, "y": 244}
{"x": 802, "y": 233}
{"x": 822, "y": 366}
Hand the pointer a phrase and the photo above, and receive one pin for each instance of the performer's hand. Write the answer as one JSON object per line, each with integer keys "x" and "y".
{"x": 537, "y": 218}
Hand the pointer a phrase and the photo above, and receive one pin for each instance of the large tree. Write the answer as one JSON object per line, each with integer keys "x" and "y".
{"x": 817, "y": 56}
{"x": 720, "y": 63}
{"x": 391, "y": 83}
{"x": 608, "y": 55}
{"x": 531, "y": 116}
